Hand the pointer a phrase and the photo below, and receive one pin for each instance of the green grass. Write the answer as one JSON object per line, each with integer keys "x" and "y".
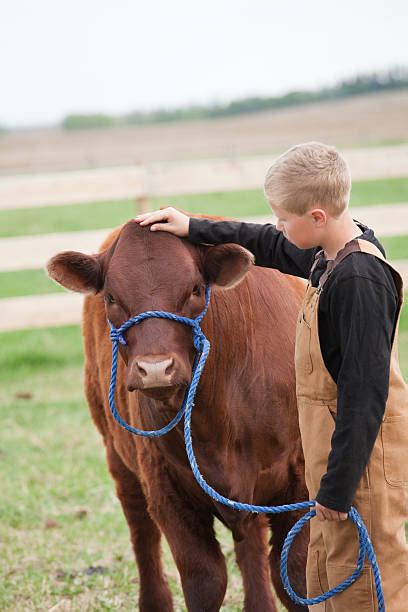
{"x": 403, "y": 327}
{"x": 26, "y": 282}
{"x": 102, "y": 215}
{"x": 36, "y": 282}
{"x": 59, "y": 515}
{"x": 403, "y": 344}
{"x": 396, "y": 247}
{"x": 380, "y": 191}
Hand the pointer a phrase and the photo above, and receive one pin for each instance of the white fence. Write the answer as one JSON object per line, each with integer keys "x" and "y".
{"x": 28, "y": 252}
{"x": 200, "y": 176}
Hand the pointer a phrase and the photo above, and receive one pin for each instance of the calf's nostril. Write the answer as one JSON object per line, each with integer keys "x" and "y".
{"x": 169, "y": 368}
{"x": 141, "y": 370}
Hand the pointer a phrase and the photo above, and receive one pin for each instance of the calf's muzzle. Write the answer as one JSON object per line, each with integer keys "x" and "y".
{"x": 151, "y": 372}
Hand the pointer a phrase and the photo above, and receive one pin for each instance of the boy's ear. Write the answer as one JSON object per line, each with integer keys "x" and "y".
{"x": 319, "y": 216}
{"x": 225, "y": 265}
{"x": 76, "y": 271}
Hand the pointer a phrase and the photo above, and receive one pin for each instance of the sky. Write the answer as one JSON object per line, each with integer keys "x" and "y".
{"x": 59, "y": 57}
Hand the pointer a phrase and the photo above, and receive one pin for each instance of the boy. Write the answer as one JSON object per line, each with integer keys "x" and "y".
{"x": 352, "y": 399}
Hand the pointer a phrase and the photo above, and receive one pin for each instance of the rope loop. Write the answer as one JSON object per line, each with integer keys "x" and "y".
{"x": 366, "y": 551}
{"x": 202, "y": 346}
{"x": 199, "y": 338}
{"x": 115, "y": 335}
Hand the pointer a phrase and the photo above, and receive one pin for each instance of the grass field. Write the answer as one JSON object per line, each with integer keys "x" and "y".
{"x": 62, "y": 529}
{"x": 77, "y": 217}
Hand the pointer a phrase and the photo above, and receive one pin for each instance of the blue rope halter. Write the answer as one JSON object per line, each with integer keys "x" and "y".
{"x": 202, "y": 347}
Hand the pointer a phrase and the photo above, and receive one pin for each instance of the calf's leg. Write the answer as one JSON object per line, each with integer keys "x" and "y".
{"x": 252, "y": 557}
{"x": 190, "y": 534}
{"x": 154, "y": 595}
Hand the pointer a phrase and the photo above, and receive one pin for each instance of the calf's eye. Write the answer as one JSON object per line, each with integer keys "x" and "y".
{"x": 197, "y": 289}
{"x": 109, "y": 298}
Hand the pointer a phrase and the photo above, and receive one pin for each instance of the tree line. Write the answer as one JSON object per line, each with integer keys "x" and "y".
{"x": 396, "y": 78}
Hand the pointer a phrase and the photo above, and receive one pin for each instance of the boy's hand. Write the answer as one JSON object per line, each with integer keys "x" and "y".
{"x": 325, "y": 514}
{"x": 172, "y": 221}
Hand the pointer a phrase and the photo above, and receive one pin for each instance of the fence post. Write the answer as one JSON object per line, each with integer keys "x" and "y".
{"x": 142, "y": 202}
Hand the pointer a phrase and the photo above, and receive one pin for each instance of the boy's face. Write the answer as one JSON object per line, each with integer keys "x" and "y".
{"x": 304, "y": 231}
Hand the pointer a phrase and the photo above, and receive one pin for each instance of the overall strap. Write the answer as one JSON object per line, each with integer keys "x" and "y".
{"x": 369, "y": 247}
{"x": 355, "y": 246}
{"x": 351, "y": 247}
{"x": 364, "y": 246}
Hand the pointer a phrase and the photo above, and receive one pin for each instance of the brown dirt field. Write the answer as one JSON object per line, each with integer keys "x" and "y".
{"x": 371, "y": 119}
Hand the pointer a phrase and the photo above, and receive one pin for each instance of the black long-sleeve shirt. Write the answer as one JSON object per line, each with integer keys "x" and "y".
{"x": 356, "y": 318}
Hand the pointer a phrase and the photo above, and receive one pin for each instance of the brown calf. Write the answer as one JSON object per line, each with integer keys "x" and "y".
{"x": 244, "y": 424}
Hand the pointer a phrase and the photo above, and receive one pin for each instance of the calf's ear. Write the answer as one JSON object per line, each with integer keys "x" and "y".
{"x": 226, "y": 264}
{"x": 76, "y": 271}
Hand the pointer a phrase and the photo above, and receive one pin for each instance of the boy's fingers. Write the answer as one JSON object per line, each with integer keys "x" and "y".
{"x": 153, "y": 217}
{"x": 160, "y": 226}
{"x": 326, "y": 514}
{"x": 320, "y": 514}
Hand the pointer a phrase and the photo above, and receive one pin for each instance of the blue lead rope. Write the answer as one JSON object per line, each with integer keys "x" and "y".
{"x": 202, "y": 347}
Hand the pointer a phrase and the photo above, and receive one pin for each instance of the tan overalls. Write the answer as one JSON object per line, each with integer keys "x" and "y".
{"x": 382, "y": 494}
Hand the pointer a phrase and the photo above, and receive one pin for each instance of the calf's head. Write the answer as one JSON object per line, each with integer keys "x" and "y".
{"x": 143, "y": 270}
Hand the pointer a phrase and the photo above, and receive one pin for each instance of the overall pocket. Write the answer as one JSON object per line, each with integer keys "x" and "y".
{"x": 303, "y": 356}
{"x": 394, "y": 438}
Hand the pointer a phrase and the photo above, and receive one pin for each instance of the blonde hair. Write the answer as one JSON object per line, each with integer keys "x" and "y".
{"x": 307, "y": 175}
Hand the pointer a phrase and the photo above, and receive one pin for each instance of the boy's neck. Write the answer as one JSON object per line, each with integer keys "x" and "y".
{"x": 338, "y": 233}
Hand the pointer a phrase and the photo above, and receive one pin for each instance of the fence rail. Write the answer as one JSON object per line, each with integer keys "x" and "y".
{"x": 165, "y": 179}
{"x": 30, "y": 252}
{"x": 140, "y": 182}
